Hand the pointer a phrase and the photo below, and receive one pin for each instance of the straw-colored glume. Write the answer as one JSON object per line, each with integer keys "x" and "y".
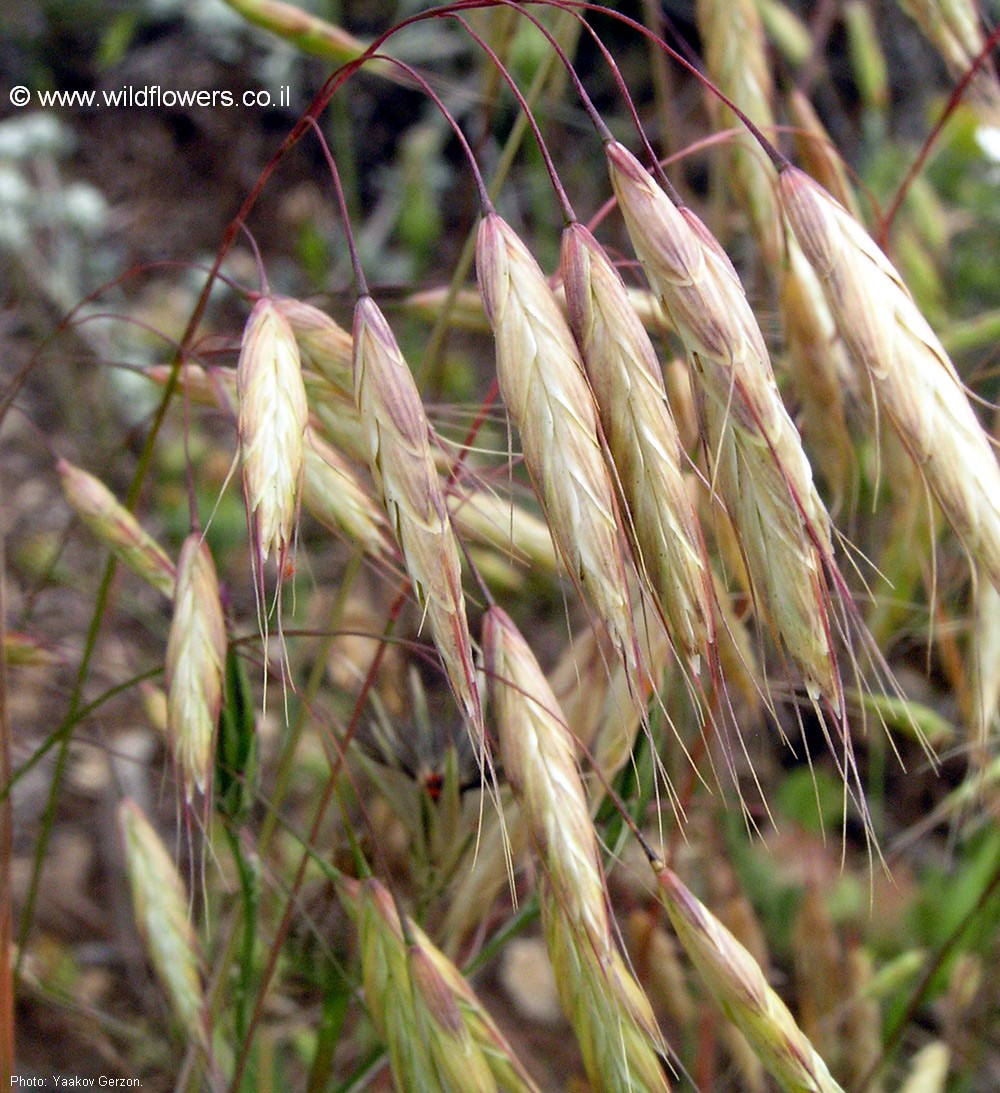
{"x": 196, "y": 652}
{"x": 915, "y": 384}
{"x": 539, "y": 761}
{"x": 821, "y": 369}
{"x": 402, "y": 465}
{"x": 162, "y": 913}
{"x": 754, "y": 451}
{"x": 742, "y": 992}
{"x": 272, "y": 419}
{"x": 324, "y": 345}
{"x": 438, "y": 1033}
{"x": 335, "y": 496}
{"x": 114, "y": 525}
{"x": 735, "y": 58}
{"x": 614, "y": 1024}
{"x": 642, "y": 439}
{"x": 547, "y": 396}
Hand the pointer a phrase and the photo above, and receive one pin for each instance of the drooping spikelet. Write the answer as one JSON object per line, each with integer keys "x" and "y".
{"x": 324, "y": 345}
{"x": 113, "y": 524}
{"x": 401, "y": 462}
{"x": 754, "y": 451}
{"x": 820, "y": 367}
{"x": 612, "y": 1019}
{"x": 196, "y": 652}
{"x": 333, "y": 494}
{"x": 539, "y": 760}
{"x": 735, "y": 58}
{"x": 547, "y": 396}
{"x": 817, "y": 152}
{"x": 162, "y": 913}
{"x": 272, "y": 419}
{"x": 742, "y": 991}
{"x": 438, "y": 1033}
{"x": 642, "y": 439}
{"x": 915, "y": 384}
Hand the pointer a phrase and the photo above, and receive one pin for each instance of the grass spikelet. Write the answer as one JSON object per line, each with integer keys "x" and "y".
{"x": 272, "y": 419}
{"x": 114, "y": 525}
{"x": 196, "y": 651}
{"x": 915, "y": 384}
{"x": 457, "y": 1060}
{"x": 611, "y": 1016}
{"x": 735, "y": 58}
{"x": 401, "y": 462}
{"x": 742, "y": 992}
{"x": 162, "y": 914}
{"x": 613, "y": 1021}
{"x": 817, "y": 152}
{"x": 547, "y": 396}
{"x": 509, "y": 528}
{"x": 438, "y": 1033}
{"x": 324, "y": 345}
{"x": 539, "y": 760}
{"x": 755, "y": 453}
{"x": 332, "y": 492}
{"x": 642, "y": 439}
{"x": 821, "y": 370}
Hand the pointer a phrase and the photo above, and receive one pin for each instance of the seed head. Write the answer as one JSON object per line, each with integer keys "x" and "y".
{"x": 742, "y": 991}
{"x": 539, "y": 760}
{"x": 333, "y": 493}
{"x": 196, "y": 651}
{"x": 642, "y": 438}
{"x": 915, "y": 384}
{"x": 754, "y": 451}
{"x": 438, "y": 1033}
{"x": 613, "y": 1021}
{"x": 324, "y": 345}
{"x": 736, "y": 59}
{"x": 820, "y": 368}
{"x": 547, "y": 396}
{"x": 114, "y": 525}
{"x": 272, "y": 419}
{"x": 162, "y": 914}
{"x": 403, "y": 467}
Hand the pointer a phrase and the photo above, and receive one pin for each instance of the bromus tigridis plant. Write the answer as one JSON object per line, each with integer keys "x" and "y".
{"x": 597, "y": 559}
